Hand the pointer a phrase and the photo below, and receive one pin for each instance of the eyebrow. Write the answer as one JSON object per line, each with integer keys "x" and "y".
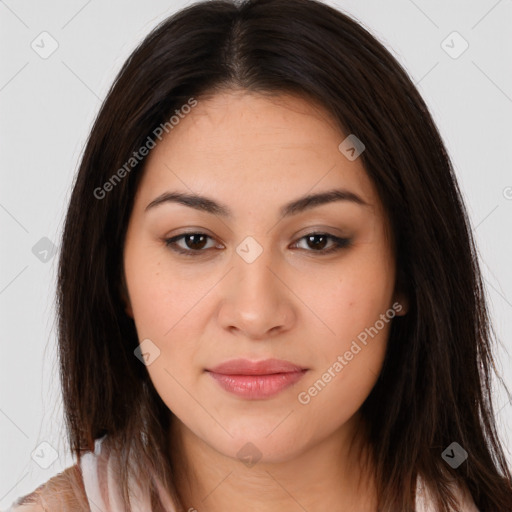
{"x": 294, "y": 207}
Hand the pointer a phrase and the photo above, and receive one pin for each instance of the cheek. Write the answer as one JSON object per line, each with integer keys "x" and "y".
{"x": 337, "y": 388}
{"x": 353, "y": 298}
{"x": 153, "y": 292}
{"x": 163, "y": 310}
{"x": 166, "y": 308}
{"x": 358, "y": 313}
{"x": 151, "y": 305}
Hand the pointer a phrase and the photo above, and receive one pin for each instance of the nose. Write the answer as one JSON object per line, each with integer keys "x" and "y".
{"x": 256, "y": 301}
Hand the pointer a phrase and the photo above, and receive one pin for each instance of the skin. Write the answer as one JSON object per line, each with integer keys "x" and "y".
{"x": 253, "y": 154}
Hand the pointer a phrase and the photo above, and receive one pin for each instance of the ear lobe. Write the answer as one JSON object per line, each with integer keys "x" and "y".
{"x": 123, "y": 292}
{"x": 400, "y": 296}
{"x": 402, "y": 302}
{"x": 128, "y": 310}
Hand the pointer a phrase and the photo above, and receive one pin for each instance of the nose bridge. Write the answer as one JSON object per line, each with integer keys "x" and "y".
{"x": 254, "y": 274}
{"x": 256, "y": 301}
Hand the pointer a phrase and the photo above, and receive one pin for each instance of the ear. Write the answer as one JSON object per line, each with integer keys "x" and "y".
{"x": 400, "y": 296}
{"x": 123, "y": 292}
{"x": 402, "y": 301}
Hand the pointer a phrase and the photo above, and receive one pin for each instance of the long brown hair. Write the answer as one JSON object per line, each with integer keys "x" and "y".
{"x": 435, "y": 385}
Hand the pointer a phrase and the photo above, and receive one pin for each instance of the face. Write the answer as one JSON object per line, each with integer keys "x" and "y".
{"x": 221, "y": 288}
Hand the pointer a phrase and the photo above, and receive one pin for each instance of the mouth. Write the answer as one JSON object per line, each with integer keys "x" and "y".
{"x": 256, "y": 379}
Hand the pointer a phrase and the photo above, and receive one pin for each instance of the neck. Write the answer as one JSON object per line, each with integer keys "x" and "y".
{"x": 330, "y": 475}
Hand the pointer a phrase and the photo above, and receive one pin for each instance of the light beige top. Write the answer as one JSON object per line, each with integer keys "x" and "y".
{"x": 92, "y": 487}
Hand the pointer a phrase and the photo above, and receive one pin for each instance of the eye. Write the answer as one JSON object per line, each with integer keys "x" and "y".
{"x": 319, "y": 240}
{"x": 196, "y": 243}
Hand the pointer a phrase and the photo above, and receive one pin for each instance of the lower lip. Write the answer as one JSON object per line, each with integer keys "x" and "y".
{"x": 257, "y": 386}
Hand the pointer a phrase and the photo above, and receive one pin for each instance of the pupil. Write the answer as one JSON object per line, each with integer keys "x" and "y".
{"x": 322, "y": 245}
{"x": 196, "y": 242}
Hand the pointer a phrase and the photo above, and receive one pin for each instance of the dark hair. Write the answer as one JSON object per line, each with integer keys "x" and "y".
{"x": 435, "y": 384}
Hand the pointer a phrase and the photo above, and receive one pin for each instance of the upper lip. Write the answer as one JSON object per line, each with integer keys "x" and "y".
{"x": 248, "y": 367}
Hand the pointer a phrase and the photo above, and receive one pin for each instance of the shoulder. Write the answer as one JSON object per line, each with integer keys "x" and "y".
{"x": 425, "y": 502}
{"x": 64, "y": 492}
{"x": 464, "y": 498}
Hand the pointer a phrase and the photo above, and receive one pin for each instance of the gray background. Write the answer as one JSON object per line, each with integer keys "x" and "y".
{"x": 47, "y": 108}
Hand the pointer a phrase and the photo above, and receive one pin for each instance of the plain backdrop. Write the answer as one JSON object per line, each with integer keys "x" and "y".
{"x": 48, "y": 103}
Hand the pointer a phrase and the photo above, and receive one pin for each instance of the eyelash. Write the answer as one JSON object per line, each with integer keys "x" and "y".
{"x": 339, "y": 243}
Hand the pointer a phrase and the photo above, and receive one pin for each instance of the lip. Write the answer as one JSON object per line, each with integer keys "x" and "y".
{"x": 256, "y": 379}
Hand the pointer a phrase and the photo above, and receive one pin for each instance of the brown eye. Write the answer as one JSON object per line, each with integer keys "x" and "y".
{"x": 318, "y": 241}
{"x": 194, "y": 243}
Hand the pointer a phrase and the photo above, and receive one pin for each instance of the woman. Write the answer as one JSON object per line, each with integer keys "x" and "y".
{"x": 269, "y": 295}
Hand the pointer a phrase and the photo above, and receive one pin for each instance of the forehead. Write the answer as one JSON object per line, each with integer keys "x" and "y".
{"x": 242, "y": 146}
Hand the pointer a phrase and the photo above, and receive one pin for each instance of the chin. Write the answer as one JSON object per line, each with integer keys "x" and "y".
{"x": 256, "y": 444}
